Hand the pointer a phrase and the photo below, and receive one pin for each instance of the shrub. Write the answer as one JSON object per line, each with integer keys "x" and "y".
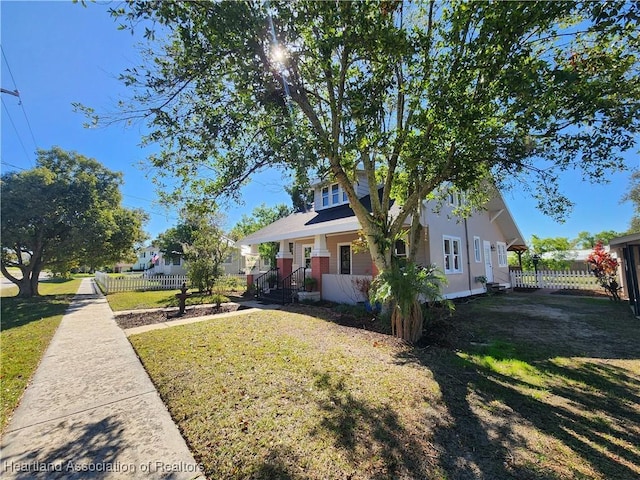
{"x": 605, "y": 268}
{"x": 402, "y": 287}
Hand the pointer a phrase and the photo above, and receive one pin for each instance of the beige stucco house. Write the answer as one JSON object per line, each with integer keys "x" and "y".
{"x": 320, "y": 241}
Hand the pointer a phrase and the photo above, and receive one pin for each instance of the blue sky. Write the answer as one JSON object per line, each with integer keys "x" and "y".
{"x": 58, "y": 53}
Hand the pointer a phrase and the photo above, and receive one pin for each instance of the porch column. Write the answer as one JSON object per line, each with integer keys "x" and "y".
{"x": 320, "y": 257}
{"x": 284, "y": 259}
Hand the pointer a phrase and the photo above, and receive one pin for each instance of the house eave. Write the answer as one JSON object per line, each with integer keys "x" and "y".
{"x": 309, "y": 231}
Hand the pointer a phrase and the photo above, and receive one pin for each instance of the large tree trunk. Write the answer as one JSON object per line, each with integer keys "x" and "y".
{"x": 27, "y": 287}
{"x": 28, "y": 284}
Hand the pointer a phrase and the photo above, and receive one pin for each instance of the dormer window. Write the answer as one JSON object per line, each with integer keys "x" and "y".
{"x": 333, "y": 195}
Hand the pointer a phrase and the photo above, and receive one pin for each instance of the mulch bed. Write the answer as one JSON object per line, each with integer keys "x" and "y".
{"x": 138, "y": 319}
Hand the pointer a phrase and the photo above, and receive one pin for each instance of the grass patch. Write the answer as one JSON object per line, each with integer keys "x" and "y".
{"x": 120, "y": 301}
{"x": 28, "y": 324}
{"x": 543, "y": 388}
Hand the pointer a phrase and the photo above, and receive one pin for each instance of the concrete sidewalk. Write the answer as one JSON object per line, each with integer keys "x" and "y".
{"x": 91, "y": 410}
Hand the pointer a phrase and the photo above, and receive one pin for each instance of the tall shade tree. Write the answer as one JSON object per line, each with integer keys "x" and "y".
{"x": 416, "y": 94}
{"x": 65, "y": 211}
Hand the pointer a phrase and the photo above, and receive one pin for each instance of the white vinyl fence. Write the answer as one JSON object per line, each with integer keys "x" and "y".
{"x": 128, "y": 283}
{"x": 576, "y": 280}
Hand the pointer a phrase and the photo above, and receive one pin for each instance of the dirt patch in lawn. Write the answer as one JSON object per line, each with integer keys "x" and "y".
{"x": 149, "y": 317}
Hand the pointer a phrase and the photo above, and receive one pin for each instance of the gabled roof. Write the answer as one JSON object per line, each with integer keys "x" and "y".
{"x": 341, "y": 219}
{"x": 307, "y": 224}
{"x": 506, "y": 223}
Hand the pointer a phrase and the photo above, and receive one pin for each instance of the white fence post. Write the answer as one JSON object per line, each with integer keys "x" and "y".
{"x": 127, "y": 283}
{"x": 567, "y": 279}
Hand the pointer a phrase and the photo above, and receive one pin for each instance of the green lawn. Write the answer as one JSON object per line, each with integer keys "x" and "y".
{"x": 120, "y": 301}
{"x": 26, "y": 329}
{"x": 538, "y": 387}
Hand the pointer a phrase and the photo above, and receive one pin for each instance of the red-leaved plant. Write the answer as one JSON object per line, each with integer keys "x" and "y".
{"x": 605, "y": 268}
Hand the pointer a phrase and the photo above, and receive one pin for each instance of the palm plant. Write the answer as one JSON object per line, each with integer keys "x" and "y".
{"x": 404, "y": 287}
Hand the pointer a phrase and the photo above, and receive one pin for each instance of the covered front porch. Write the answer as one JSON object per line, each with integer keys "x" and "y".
{"x": 322, "y": 263}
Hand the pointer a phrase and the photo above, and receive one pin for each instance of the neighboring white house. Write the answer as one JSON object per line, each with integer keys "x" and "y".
{"x": 321, "y": 239}
{"x": 153, "y": 262}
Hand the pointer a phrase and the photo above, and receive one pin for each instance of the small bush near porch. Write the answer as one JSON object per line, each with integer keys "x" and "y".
{"x": 534, "y": 387}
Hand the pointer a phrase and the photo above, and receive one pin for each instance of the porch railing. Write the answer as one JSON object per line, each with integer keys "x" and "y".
{"x": 265, "y": 282}
{"x": 292, "y": 284}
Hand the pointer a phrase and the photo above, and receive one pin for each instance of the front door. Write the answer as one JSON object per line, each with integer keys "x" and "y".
{"x": 488, "y": 266}
{"x": 345, "y": 259}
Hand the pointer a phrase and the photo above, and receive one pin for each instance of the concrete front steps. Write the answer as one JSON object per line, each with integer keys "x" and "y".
{"x": 493, "y": 287}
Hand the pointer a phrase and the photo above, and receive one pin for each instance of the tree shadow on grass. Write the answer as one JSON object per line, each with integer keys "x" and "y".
{"x": 363, "y": 431}
{"x": 600, "y": 426}
{"x": 17, "y": 312}
{"x": 274, "y": 467}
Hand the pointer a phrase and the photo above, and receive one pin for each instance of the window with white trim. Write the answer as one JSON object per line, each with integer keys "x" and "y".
{"x": 333, "y": 195}
{"x": 501, "y": 247}
{"x": 456, "y": 199}
{"x": 452, "y": 254}
{"x": 477, "y": 255}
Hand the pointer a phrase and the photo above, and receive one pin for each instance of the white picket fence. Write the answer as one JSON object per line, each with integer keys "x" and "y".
{"x": 576, "y": 280}
{"x": 128, "y": 283}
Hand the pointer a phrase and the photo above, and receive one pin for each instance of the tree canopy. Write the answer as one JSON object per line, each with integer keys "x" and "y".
{"x": 589, "y": 240}
{"x": 414, "y": 93}
{"x": 200, "y": 240}
{"x": 260, "y": 217}
{"x": 64, "y": 212}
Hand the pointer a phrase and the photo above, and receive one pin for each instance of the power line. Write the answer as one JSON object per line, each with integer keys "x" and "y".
{"x": 166, "y": 215}
{"x": 138, "y": 198}
{"x": 16, "y": 130}
{"x": 12, "y": 165}
{"x": 9, "y": 68}
{"x": 21, "y": 103}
